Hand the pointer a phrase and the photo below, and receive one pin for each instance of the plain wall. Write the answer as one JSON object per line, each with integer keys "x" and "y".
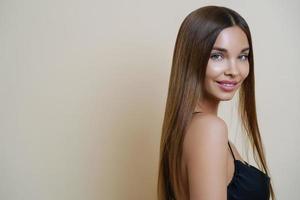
{"x": 83, "y": 86}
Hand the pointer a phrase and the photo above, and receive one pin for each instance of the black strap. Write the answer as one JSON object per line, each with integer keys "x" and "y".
{"x": 231, "y": 150}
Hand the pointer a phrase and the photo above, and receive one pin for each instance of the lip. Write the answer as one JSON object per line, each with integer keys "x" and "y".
{"x": 227, "y": 88}
{"x": 228, "y": 82}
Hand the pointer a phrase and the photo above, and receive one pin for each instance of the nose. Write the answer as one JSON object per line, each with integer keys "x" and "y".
{"x": 232, "y": 68}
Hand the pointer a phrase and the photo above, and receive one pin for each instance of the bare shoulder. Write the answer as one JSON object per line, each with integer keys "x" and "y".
{"x": 208, "y": 130}
{"x": 207, "y": 121}
{"x": 205, "y": 157}
{"x": 206, "y": 126}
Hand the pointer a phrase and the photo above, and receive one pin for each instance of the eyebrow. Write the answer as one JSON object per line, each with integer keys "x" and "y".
{"x": 225, "y": 50}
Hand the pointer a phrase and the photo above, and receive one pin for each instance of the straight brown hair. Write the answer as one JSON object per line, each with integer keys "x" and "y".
{"x": 195, "y": 39}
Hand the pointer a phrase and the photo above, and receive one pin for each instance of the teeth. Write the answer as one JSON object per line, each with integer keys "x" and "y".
{"x": 227, "y": 84}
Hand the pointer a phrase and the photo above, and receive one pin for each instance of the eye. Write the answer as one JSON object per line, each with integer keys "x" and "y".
{"x": 244, "y": 57}
{"x": 216, "y": 57}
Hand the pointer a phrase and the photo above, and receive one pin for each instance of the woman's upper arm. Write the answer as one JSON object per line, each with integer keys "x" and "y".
{"x": 205, "y": 153}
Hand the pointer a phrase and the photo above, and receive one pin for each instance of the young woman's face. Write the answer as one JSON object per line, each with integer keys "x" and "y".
{"x": 228, "y": 62}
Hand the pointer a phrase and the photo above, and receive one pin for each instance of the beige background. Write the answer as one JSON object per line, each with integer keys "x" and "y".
{"x": 83, "y": 86}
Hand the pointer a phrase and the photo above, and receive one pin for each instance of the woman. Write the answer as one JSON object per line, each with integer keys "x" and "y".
{"x": 212, "y": 60}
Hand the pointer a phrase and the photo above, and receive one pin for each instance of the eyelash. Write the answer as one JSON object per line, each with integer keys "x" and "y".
{"x": 215, "y": 54}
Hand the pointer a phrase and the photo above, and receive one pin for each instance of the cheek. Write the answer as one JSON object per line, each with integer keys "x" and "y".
{"x": 214, "y": 70}
{"x": 245, "y": 71}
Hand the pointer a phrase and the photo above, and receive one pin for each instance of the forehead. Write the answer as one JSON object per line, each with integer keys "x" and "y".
{"x": 232, "y": 38}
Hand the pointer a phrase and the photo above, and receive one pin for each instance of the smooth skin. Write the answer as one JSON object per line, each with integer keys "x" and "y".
{"x": 207, "y": 160}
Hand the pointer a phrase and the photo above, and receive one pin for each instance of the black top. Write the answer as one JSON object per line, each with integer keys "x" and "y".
{"x": 248, "y": 182}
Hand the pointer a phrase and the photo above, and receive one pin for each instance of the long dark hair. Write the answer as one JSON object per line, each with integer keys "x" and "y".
{"x": 195, "y": 39}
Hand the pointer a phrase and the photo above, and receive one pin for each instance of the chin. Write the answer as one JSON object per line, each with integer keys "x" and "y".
{"x": 225, "y": 97}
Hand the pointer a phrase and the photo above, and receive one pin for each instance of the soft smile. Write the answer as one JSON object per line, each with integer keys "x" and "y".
{"x": 227, "y": 86}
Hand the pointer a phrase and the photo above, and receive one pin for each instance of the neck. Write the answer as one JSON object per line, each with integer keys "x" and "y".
{"x": 208, "y": 105}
